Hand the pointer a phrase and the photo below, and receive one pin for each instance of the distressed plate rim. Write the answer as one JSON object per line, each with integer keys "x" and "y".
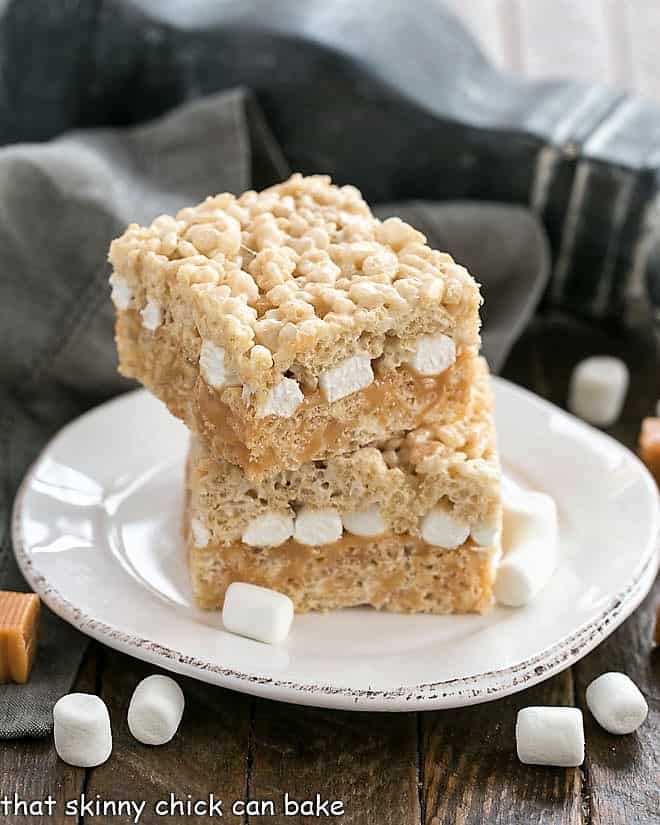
{"x": 456, "y": 692}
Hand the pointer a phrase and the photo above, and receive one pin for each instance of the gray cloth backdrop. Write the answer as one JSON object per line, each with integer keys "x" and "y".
{"x": 60, "y": 205}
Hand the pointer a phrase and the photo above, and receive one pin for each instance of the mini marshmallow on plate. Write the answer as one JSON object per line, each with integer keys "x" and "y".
{"x": 530, "y": 539}
{"x": 550, "y": 736}
{"x": 616, "y": 703}
{"x": 598, "y": 389}
{"x": 257, "y": 612}
{"x": 81, "y": 727}
{"x": 155, "y": 710}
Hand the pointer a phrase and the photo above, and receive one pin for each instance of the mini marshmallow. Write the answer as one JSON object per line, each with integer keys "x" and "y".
{"x": 155, "y": 710}
{"x": 82, "y": 730}
{"x": 213, "y": 368}
{"x": 485, "y": 532}
{"x": 550, "y": 736}
{"x": 441, "y": 529}
{"x": 121, "y": 294}
{"x": 268, "y": 530}
{"x": 365, "y": 522}
{"x": 283, "y": 400}
{"x": 152, "y": 315}
{"x": 531, "y": 545}
{"x": 598, "y": 389}
{"x": 257, "y": 612}
{"x": 616, "y": 703}
{"x": 433, "y": 354}
{"x": 349, "y": 376}
{"x": 200, "y": 533}
{"x": 316, "y": 527}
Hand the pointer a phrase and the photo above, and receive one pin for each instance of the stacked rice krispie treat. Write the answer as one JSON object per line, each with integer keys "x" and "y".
{"x": 327, "y": 364}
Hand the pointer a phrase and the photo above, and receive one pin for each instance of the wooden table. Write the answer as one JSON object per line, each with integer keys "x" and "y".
{"x": 454, "y": 767}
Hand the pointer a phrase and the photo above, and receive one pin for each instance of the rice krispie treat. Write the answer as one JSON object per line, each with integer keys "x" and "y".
{"x": 292, "y": 325}
{"x": 411, "y": 524}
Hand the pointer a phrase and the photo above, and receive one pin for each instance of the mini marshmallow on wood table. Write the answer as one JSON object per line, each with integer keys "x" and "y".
{"x": 81, "y": 727}
{"x": 616, "y": 703}
{"x": 550, "y": 736}
{"x": 155, "y": 710}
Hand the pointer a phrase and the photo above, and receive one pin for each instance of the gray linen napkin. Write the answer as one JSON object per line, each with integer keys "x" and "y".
{"x": 60, "y": 205}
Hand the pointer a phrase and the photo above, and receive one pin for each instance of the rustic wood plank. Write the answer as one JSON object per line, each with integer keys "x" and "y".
{"x": 366, "y": 760}
{"x": 208, "y": 754}
{"x": 620, "y": 771}
{"x": 471, "y": 773}
{"x": 31, "y": 769}
{"x": 623, "y": 771}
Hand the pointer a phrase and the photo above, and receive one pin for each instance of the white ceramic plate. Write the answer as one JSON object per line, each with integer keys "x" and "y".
{"x": 97, "y": 534}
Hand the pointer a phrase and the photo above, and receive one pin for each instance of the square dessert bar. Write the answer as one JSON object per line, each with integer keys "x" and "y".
{"x": 292, "y": 325}
{"x": 411, "y": 524}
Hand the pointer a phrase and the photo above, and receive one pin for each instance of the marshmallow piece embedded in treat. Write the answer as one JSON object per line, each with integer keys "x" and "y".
{"x": 530, "y": 545}
{"x": 317, "y": 527}
{"x": 283, "y": 400}
{"x": 257, "y": 612}
{"x": 213, "y": 368}
{"x": 433, "y": 355}
{"x": 82, "y": 730}
{"x": 441, "y": 529}
{"x": 199, "y": 532}
{"x": 616, "y": 703}
{"x": 598, "y": 389}
{"x": 268, "y": 530}
{"x": 364, "y": 522}
{"x": 155, "y": 710}
{"x": 485, "y": 533}
{"x": 121, "y": 294}
{"x": 152, "y": 315}
{"x": 349, "y": 376}
{"x": 550, "y": 736}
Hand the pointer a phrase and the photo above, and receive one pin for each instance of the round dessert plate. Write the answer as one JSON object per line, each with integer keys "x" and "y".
{"x": 97, "y": 533}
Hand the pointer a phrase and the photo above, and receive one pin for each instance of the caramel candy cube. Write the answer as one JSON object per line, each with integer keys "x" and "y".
{"x": 649, "y": 446}
{"x": 19, "y": 623}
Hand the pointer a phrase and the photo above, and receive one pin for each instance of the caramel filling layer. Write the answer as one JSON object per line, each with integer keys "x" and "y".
{"x": 380, "y": 397}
